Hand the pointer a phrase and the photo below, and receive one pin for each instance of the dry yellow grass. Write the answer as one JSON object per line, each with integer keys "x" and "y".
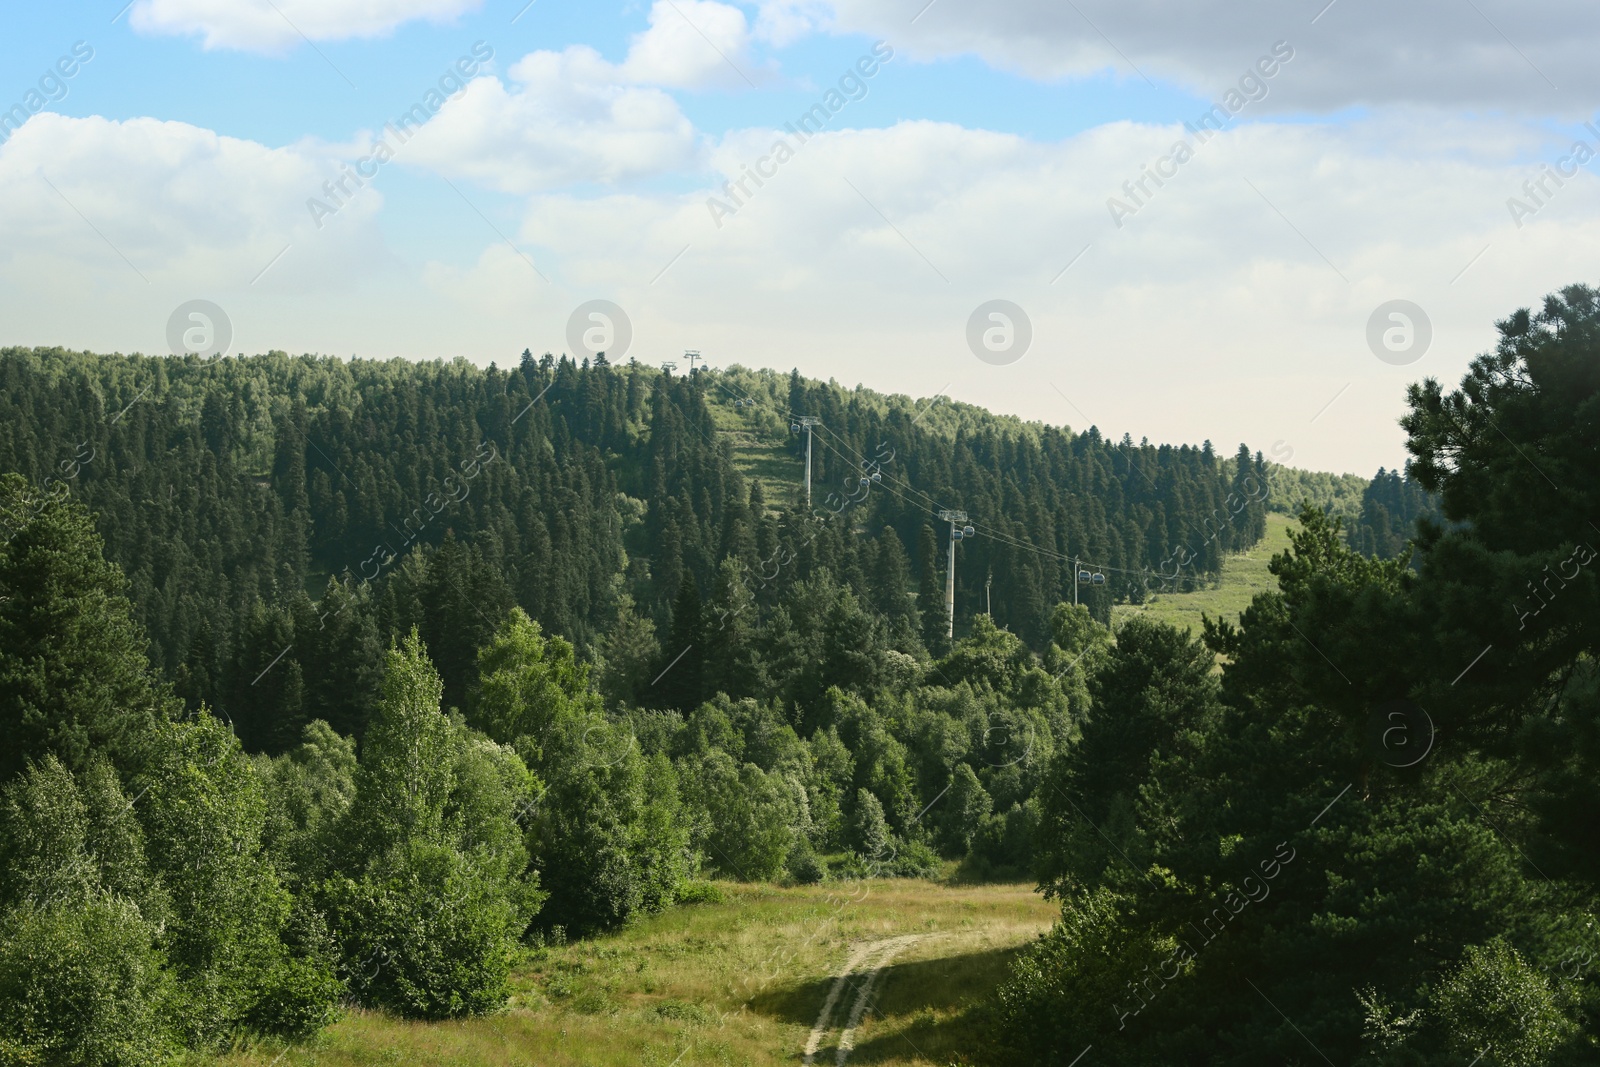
{"x": 735, "y": 983}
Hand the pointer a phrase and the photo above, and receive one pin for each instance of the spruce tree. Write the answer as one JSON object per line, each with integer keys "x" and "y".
{"x": 930, "y": 594}
{"x": 74, "y": 677}
{"x": 680, "y": 683}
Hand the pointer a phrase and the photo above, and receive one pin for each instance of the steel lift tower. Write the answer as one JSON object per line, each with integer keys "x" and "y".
{"x": 805, "y": 422}
{"x": 959, "y": 530}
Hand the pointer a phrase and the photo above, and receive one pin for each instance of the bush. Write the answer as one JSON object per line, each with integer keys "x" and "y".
{"x": 912, "y": 859}
{"x": 1064, "y": 988}
{"x": 82, "y": 984}
{"x": 1003, "y": 844}
{"x": 426, "y": 934}
{"x": 298, "y": 998}
{"x": 203, "y": 813}
{"x": 699, "y": 892}
{"x": 1496, "y": 999}
{"x": 805, "y": 866}
{"x": 895, "y": 859}
{"x": 607, "y": 840}
{"x": 743, "y": 815}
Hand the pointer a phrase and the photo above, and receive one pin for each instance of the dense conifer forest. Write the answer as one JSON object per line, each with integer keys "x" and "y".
{"x": 321, "y": 507}
{"x": 335, "y": 683}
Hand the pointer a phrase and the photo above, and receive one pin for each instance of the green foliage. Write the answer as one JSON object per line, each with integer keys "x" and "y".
{"x": 701, "y": 892}
{"x": 309, "y": 793}
{"x": 82, "y": 984}
{"x": 804, "y": 864}
{"x": 1392, "y": 506}
{"x": 433, "y": 897}
{"x": 73, "y": 676}
{"x": 427, "y": 932}
{"x": 603, "y": 824}
{"x": 746, "y": 819}
{"x": 1153, "y": 692}
{"x": 608, "y": 838}
{"x": 298, "y": 997}
{"x": 626, "y": 653}
{"x": 203, "y": 811}
{"x": 869, "y": 830}
{"x": 255, "y": 478}
{"x": 1005, "y": 844}
{"x": 526, "y": 683}
{"x": 962, "y": 811}
{"x": 1064, "y": 991}
{"x": 1496, "y": 1001}
{"x": 1416, "y": 904}
{"x": 1290, "y": 490}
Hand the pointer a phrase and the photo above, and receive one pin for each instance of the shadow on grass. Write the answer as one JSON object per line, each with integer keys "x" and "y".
{"x": 920, "y": 999}
{"x": 975, "y": 871}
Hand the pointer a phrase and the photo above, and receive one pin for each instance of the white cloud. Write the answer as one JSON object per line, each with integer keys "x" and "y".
{"x": 277, "y": 25}
{"x": 690, "y": 44}
{"x": 1208, "y": 314}
{"x": 782, "y": 22}
{"x": 566, "y": 119}
{"x": 170, "y": 207}
{"x": 1490, "y": 54}
{"x": 574, "y": 117}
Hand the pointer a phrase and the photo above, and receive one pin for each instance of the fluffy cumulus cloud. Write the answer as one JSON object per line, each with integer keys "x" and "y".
{"x": 118, "y": 222}
{"x": 1530, "y": 57}
{"x": 561, "y": 118}
{"x": 277, "y": 25}
{"x": 690, "y": 44}
{"x": 574, "y": 117}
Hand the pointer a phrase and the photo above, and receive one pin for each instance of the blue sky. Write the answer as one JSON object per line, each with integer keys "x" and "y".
{"x": 1233, "y": 300}
{"x": 278, "y": 99}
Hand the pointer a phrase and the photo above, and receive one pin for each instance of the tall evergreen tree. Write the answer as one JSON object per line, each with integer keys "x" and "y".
{"x": 681, "y": 683}
{"x": 73, "y": 673}
{"x": 930, "y": 593}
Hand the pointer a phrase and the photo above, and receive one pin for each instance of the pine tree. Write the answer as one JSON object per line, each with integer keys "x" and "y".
{"x": 930, "y": 594}
{"x": 74, "y": 677}
{"x": 681, "y": 681}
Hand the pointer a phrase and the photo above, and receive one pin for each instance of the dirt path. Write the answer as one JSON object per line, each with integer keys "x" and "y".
{"x": 867, "y": 960}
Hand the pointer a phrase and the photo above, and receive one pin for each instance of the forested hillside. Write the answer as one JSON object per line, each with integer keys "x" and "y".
{"x": 339, "y": 683}
{"x": 312, "y": 508}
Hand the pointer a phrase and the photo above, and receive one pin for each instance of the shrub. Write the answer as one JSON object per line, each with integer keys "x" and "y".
{"x": 805, "y": 866}
{"x": 701, "y": 892}
{"x": 82, "y": 984}
{"x": 426, "y": 933}
{"x": 298, "y": 997}
{"x": 1495, "y": 998}
{"x": 743, "y": 815}
{"x": 1064, "y": 988}
{"x": 912, "y": 859}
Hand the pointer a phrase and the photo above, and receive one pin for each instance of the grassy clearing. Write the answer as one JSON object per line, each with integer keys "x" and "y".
{"x": 1243, "y": 576}
{"x": 756, "y": 452}
{"x": 740, "y": 982}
